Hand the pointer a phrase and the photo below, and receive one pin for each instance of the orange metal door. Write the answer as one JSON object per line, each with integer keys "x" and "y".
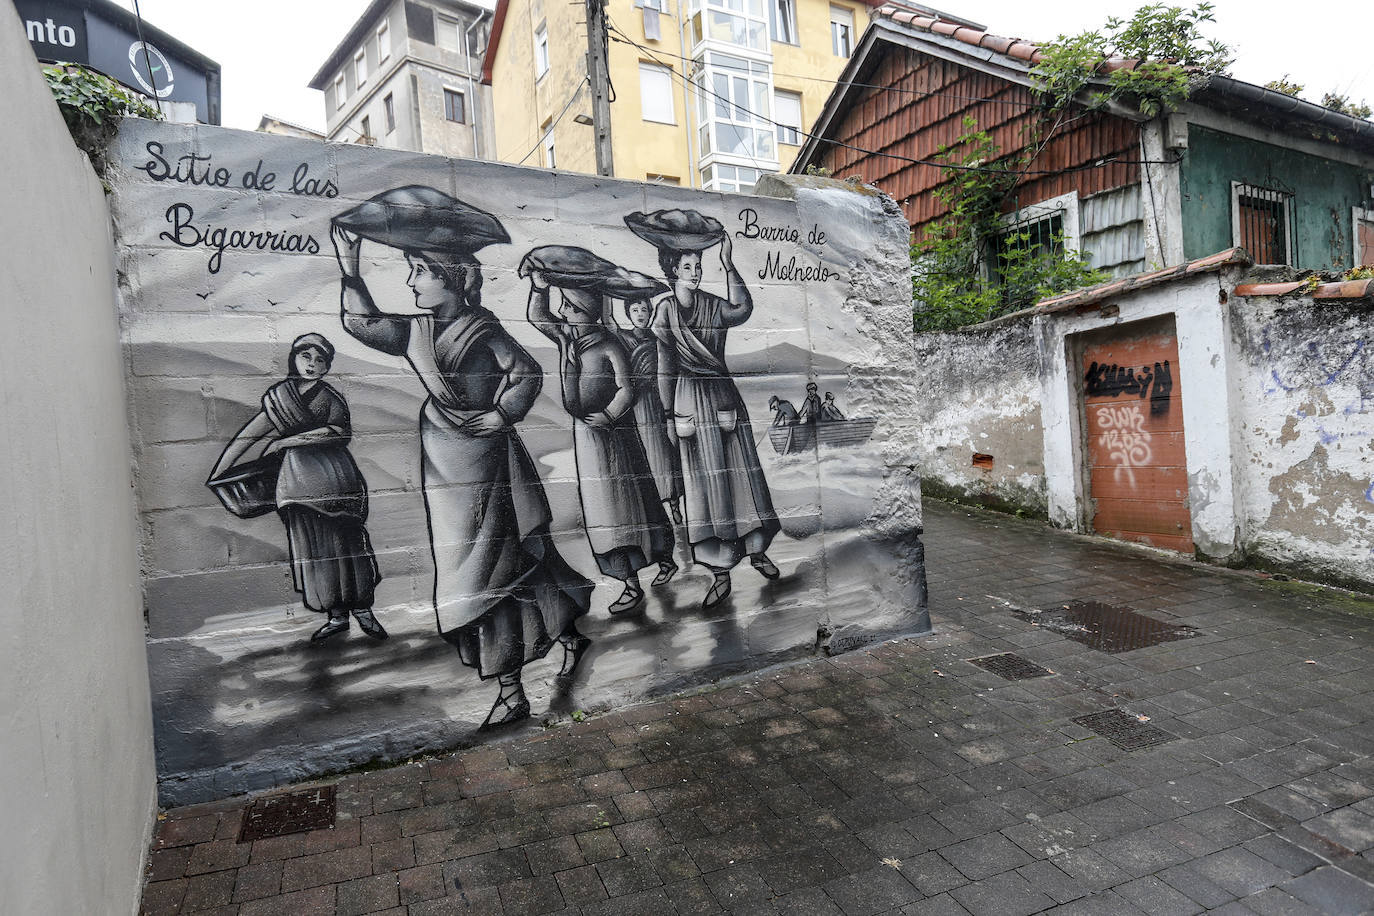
{"x": 1137, "y": 470}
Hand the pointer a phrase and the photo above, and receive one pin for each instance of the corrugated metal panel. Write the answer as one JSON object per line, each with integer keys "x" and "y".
{"x": 1114, "y": 230}
{"x": 1102, "y": 211}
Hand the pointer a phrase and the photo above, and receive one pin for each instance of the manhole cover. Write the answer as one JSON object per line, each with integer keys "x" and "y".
{"x": 1107, "y": 627}
{"x": 1011, "y": 666}
{"x": 1123, "y": 729}
{"x": 297, "y": 812}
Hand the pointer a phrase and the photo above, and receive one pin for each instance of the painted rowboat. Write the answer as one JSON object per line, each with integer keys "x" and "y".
{"x": 788, "y": 440}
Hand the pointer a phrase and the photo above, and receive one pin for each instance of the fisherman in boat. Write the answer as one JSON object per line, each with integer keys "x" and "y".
{"x": 829, "y": 412}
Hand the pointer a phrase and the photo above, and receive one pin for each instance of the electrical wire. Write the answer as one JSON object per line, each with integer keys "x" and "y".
{"x": 1095, "y": 164}
{"x": 147, "y": 58}
{"x": 837, "y": 82}
{"x": 540, "y": 142}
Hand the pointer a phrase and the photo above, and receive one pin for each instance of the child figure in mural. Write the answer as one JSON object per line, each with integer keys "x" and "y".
{"x": 730, "y": 512}
{"x": 320, "y": 494}
{"x": 502, "y": 593}
{"x": 650, "y": 417}
{"x": 624, "y": 518}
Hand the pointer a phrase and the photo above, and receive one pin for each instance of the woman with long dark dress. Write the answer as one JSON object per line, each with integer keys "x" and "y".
{"x": 650, "y": 417}
{"x": 503, "y": 596}
{"x": 621, "y": 512}
{"x": 730, "y": 512}
{"x": 320, "y": 495}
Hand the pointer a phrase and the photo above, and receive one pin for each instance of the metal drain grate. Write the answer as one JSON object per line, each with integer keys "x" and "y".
{"x": 1011, "y": 666}
{"x": 297, "y": 812}
{"x": 1124, "y": 730}
{"x": 1108, "y": 627}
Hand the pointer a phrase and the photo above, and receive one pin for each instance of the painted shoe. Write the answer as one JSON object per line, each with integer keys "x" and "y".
{"x": 334, "y": 625}
{"x": 765, "y": 566}
{"x": 666, "y": 571}
{"x": 509, "y": 712}
{"x": 370, "y": 625}
{"x": 628, "y": 601}
{"x": 718, "y": 592}
{"x": 572, "y": 655}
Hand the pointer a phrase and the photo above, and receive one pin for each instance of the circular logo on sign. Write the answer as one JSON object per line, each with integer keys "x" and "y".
{"x": 151, "y": 69}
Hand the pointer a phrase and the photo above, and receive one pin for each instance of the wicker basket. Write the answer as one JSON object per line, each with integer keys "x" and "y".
{"x": 249, "y": 489}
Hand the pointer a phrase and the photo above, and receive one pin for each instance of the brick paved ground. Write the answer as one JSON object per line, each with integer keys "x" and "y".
{"x": 901, "y": 779}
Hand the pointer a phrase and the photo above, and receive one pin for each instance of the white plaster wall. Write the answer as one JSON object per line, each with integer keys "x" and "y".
{"x": 1304, "y": 398}
{"x": 242, "y": 699}
{"x": 1204, "y": 380}
{"x": 76, "y": 760}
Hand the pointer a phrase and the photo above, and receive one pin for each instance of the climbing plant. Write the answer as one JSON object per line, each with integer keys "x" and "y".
{"x": 1169, "y": 54}
{"x": 92, "y": 104}
{"x": 968, "y": 266}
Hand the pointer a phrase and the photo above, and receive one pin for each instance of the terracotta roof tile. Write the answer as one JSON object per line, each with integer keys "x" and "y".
{"x": 945, "y": 28}
{"x": 996, "y": 43}
{"x": 923, "y": 22}
{"x": 1350, "y": 289}
{"x": 970, "y": 36}
{"x": 1023, "y": 50}
{"x": 1268, "y": 289}
{"x": 1095, "y": 294}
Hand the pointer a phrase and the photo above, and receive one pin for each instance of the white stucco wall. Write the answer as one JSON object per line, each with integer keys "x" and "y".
{"x": 76, "y": 764}
{"x": 1204, "y": 376}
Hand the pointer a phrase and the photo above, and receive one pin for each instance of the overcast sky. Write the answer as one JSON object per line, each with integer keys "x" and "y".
{"x": 269, "y": 49}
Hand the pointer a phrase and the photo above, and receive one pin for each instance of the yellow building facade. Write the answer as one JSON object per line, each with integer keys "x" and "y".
{"x": 707, "y": 93}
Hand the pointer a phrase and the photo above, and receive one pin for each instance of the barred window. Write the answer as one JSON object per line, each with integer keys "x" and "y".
{"x": 1261, "y": 222}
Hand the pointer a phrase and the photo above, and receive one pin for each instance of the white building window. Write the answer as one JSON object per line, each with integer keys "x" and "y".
{"x": 383, "y": 42}
{"x": 541, "y": 50}
{"x": 550, "y": 160}
{"x": 735, "y": 22}
{"x": 340, "y": 91}
{"x": 1262, "y": 222}
{"x": 784, "y": 21}
{"x": 787, "y": 111}
{"x": 448, "y": 33}
{"x": 455, "y": 106}
{"x": 656, "y": 93}
{"x": 841, "y": 31}
{"x": 729, "y": 178}
{"x": 734, "y": 99}
{"x": 389, "y": 110}
{"x": 360, "y": 66}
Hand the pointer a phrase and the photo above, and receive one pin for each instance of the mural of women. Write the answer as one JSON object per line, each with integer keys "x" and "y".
{"x": 502, "y": 593}
{"x": 626, "y": 524}
{"x": 730, "y": 512}
{"x": 303, "y": 431}
{"x": 650, "y": 416}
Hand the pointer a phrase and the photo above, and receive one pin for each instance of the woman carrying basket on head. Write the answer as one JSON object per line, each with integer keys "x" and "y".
{"x": 319, "y": 492}
{"x": 730, "y": 512}
{"x": 502, "y": 593}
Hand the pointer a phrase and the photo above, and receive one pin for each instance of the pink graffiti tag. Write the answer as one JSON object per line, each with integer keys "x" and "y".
{"x": 1124, "y": 436}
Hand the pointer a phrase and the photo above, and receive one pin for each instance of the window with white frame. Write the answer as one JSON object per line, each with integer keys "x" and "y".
{"x": 784, "y": 21}
{"x": 455, "y": 106}
{"x": 1261, "y": 222}
{"x": 787, "y": 112}
{"x": 366, "y": 131}
{"x": 721, "y": 177}
{"x": 360, "y": 67}
{"x": 734, "y": 99}
{"x": 389, "y": 110}
{"x": 383, "y": 42}
{"x": 660, "y": 5}
{"x": 656, "y": 93}
{"x": 541, "y": 50}
{"x": 448, "y": 33}
{"x": 841, "y": 31}
{"x": 340, "y": 91}
{"x": 550, "y": 159}
{"x": 735, "y": 22}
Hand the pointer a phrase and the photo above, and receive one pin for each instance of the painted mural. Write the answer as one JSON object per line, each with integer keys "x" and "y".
{"x": 506, "y": 421}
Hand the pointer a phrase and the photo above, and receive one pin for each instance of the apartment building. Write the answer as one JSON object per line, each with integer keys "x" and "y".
{"x": 707, "y": 93}
{"x": 406, "y": 76}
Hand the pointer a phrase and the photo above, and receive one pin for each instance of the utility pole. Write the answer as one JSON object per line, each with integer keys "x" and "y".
{"x": 599, "y": 74}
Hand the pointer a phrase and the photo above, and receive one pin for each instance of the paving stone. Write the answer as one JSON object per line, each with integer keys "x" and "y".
{"x": 1331, "y": 890}
{"x": 531, "y": 896}
{"x": 1347, "y": 826}
{"x": 367, "y": 895}
{"x": 1192, "y": 884}
{"x": 1151, "y": 895}
{"x": 874, "y": 891}
{"x": 206, "y": 892}
{"x": 941, "y": 905}
{"x": 1007, "y": 894}
{"x": 262, "y": 879}
{"x": 422, "y": 883}
{"x": 985, "y": 856}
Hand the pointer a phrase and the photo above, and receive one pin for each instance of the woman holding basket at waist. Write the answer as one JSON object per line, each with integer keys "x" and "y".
{"x": 320, "y": 494}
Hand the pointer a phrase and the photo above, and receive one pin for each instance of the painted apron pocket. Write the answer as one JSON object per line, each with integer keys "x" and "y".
{"x": 727, "y": 419}
{"x": 686, "y": 425}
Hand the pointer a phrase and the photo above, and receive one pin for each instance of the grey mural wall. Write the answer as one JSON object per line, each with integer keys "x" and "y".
{"x": 427, "y": 449}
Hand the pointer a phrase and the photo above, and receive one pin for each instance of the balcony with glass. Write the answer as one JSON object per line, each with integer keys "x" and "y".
{"x": 734, "y": 120}
{"x": 741, "y": 23}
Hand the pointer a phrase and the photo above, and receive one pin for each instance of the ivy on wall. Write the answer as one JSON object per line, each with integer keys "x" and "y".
{"x": 92, "y": 104}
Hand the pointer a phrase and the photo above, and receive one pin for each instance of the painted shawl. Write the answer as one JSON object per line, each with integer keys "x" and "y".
{"x": 322, "y": 476}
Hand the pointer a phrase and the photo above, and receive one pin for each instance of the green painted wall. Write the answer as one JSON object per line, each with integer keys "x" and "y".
{"x": 1323, "y": 193}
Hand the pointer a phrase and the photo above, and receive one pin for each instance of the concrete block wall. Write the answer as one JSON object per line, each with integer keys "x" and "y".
{"x": 242, "y": 698}
{"x": 77, "y": 783}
